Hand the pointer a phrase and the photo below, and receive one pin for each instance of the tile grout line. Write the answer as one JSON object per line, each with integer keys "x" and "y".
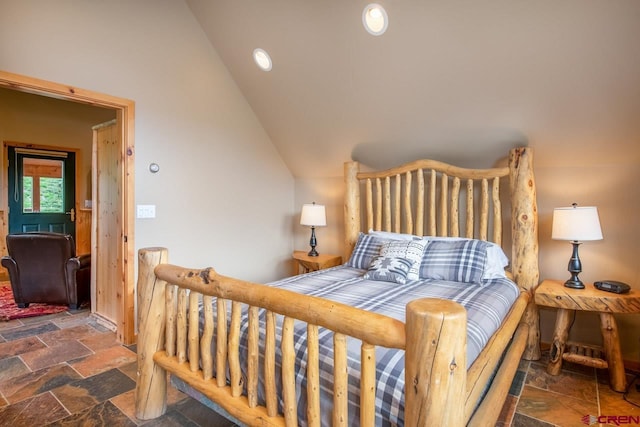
{"x": 75, "y": 370}
{"x": 524, "y": 382}
{"x": 61, "y": 404}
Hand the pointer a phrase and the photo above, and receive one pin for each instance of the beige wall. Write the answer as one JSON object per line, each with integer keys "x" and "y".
{"x": 328, "y": 192}
{"x": 223, "y": 194}
{"x": 609, "y": 186}
{"x": 38, "y": 120}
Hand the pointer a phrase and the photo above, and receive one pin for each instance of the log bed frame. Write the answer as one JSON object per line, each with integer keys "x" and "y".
{"x": 443, "y": 392}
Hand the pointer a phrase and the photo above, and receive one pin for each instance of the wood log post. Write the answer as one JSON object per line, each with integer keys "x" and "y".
{"x": 435, "y": 363}
{"x": 564, "y": 319}
{"x": 151, "y": 386}
{"x": 367, "y": 385}
{"x": 524, "y": 257}
{"x": 613, "y": 354}
{"x": 488, "y": 411}
{"x": 351, "y": 207}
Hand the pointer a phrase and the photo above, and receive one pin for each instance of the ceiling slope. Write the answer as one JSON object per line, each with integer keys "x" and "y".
{"x": 456, "y": 80}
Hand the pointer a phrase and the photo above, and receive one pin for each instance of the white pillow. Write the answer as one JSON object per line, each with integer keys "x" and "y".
{"x": 393, "y": 236}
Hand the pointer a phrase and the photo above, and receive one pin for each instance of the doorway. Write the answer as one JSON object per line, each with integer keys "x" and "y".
{"x": 42, "y": 190}
{"x": 124, "y": 286}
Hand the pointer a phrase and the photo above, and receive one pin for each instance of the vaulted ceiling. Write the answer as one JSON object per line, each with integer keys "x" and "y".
{"x": 459, "y": 80}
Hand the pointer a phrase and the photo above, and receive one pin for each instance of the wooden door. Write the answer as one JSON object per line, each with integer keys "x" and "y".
{"x": 107, "y": 241}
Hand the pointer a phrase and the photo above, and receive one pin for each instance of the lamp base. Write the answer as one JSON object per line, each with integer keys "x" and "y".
{"x": 313, "y": 242}
{"x": 575, "y": 267}
{"x": 574, "y": 284}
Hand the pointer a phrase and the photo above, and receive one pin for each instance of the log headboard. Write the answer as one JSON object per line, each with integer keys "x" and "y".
{"x": 428, "y": 197}
{"x": 431, "y": 198}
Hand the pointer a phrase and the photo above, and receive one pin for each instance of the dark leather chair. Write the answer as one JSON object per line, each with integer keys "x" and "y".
{"x": 43, "y": 268}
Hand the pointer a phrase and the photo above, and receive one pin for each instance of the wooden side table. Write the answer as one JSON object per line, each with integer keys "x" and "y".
{"x": 308, "y": 263}
{"x": 553, "y": 293}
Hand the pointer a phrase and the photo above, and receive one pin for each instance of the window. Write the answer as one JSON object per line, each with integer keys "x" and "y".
{"x": 42, "y": 185}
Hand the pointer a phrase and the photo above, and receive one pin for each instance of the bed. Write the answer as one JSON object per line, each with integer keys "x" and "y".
{"x": 293, "y": 352}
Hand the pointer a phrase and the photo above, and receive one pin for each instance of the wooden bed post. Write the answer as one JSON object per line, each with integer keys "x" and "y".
{"x": 351, "y": 207}
{"x": 151, "y": 387}
{"x": 435, "y": 363}
{"x": 524, "y": 228}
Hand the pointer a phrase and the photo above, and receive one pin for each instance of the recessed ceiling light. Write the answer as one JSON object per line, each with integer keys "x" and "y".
{"x": 262, "y": 58}
{"x": 375, "y": 19}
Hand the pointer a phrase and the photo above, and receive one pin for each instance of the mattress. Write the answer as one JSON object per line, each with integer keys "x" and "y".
{"x": 486, "y": 307}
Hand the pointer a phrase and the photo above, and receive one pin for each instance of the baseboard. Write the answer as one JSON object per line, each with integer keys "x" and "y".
{"x": 103, "y": 321}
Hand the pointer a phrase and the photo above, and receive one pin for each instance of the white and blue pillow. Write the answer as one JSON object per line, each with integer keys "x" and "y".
{"x": 496, "y": 258}
{"x": 441, "y": 258}
{"x": 458, "y": 261}
{"x": 497, "y": 261}
{"x": 412, "y": 250}
{"x": 389, "y": 269}
{"x": 366, "y": 249}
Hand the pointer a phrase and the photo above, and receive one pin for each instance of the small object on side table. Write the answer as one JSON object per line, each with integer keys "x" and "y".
{"x": 309, "y": 263}
{"x": 612, "y": 286}
{"x": 552, "y": 293}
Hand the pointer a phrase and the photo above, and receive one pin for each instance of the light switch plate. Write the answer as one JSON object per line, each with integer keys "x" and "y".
{"x": 146, "y": 211}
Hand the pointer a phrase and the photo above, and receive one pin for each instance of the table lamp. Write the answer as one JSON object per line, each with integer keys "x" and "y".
{"x": 576, "y": 224}
{"x": 315, "y": 216}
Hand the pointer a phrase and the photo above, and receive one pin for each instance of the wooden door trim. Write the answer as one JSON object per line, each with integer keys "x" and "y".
{"x": 125, "y": 112}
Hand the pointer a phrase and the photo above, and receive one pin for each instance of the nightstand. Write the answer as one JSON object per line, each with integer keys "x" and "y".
{"x": 308, "y": 263}
{"x": 553, "y": 293}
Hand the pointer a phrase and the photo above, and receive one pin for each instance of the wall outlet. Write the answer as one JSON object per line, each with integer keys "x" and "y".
{"x": 146, "y": 211}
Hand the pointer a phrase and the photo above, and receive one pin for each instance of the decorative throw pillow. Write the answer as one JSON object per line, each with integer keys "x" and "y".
{"x": 366, "y": 249}
{"x": 413, "y": 250}
{"x": 458, "y": 261}
{"x": 389, "y": 269}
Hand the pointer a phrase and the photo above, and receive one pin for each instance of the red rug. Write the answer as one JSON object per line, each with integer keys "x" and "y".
{"x": 9, "y": 310}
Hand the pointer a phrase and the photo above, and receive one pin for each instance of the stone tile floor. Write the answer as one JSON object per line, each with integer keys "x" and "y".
{"x": 68, "y": 370}
{"x": 579, "y": 396}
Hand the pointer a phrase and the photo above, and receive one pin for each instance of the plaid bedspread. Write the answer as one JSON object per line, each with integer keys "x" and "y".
{"x": 486, "y": 306}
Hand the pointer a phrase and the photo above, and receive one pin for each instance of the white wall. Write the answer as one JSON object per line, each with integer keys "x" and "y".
{"x": 224, "y": 196}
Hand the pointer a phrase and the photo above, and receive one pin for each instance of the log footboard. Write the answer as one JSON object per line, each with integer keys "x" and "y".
{"x": 170, "y": 340}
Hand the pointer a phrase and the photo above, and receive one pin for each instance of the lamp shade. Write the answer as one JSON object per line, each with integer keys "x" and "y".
{"x": 576, "y": 223}
{"x": 313, "y": 215}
